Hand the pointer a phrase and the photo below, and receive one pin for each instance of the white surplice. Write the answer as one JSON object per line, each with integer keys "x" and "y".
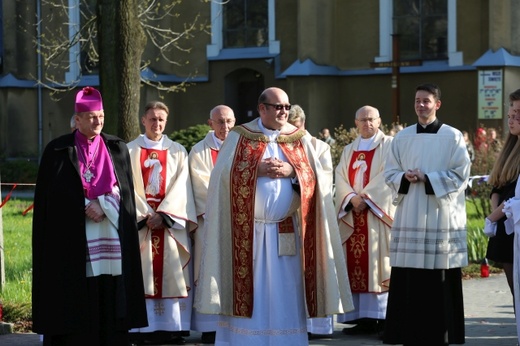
{"x": 201, "y": 164}
{"x": 322, "y": 325}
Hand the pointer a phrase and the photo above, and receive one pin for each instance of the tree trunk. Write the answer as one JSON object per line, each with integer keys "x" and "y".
{"x": 121, "y": 45}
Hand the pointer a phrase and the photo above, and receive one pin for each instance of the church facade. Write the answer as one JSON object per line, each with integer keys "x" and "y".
{"x": 331, "y": 56}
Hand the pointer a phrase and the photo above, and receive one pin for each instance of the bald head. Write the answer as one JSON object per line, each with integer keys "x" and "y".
{"x": 366, "y": 111}
{"x": 273, "y": 106}
{"x": 221, "y": 120}
{"x": 367, "y": 121}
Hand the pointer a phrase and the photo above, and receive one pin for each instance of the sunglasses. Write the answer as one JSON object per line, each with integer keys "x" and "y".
{"x": 278, "y": 107}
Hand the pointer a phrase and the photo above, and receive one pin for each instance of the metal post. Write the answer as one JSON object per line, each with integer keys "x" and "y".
{"x": 2, "y": 264}
{"x": 395, "y": 77}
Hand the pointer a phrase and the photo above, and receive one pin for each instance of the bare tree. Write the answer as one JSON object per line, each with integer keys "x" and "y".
{"x": 81, "y": 37}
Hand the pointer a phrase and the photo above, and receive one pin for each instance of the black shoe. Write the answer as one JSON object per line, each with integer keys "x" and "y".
{"x": 361, "y": 328}
{"x": 178, "y": 340}
{"x": 208, "y": 337}
{"x": 380, "y": 328}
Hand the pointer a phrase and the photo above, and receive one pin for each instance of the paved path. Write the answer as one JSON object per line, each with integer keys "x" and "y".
{"x": 488, "y": 309}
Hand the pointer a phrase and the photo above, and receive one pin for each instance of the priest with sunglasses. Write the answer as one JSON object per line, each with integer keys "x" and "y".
{"x": 272, "y": 253}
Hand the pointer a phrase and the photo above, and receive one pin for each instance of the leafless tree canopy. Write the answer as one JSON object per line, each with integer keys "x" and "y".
{"x": 68, "y": 38}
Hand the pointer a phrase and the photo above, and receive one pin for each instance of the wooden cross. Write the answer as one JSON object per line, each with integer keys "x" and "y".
{"x": 395, "y": 64}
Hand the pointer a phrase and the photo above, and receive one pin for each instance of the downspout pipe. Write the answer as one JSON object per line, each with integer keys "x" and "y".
{"x": 39, "y": 85}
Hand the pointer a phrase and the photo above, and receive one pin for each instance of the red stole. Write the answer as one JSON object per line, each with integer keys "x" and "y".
{"x": 214, "y": 154}
{"x": 153, "y": 167}
{"x": 244, "y": 173}
{"x": 357, "y": 246}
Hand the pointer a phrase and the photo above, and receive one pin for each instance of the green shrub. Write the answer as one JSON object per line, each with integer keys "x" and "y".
{"x": 342, "y": 137}
{"x": 190, "y": 136}
{"x": 480, "y": 190}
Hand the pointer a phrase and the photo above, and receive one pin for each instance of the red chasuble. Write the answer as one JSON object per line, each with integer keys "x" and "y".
{"x": 358, "y": 243}
{"x": 153, "y": 166}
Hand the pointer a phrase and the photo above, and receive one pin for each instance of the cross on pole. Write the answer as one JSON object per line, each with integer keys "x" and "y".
{"x": 395, "y": 64}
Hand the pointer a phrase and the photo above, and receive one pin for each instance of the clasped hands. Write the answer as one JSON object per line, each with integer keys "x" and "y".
{"x": 415, "y": 176}
{"x": 358, "y": 203}
{"x": 275, "y": 168}
{"x": 154, "y": 221}
{"x": 94, "y": 211}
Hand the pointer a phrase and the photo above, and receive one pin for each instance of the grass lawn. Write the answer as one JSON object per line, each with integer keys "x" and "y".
{"x": 16, "y": 293}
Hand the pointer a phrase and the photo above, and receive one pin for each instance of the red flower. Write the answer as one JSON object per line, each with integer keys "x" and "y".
{"x": 88, "y": 90}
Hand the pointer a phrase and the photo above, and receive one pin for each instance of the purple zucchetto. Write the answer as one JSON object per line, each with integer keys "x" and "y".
{"x": 88, "y": 100}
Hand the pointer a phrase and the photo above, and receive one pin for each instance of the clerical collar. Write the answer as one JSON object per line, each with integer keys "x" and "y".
{"x": 366, "y": 143}
{"x": 153, "y": 144}
{"x": 432, "y": 127}
{"x": 272, "y": 134}
{"x": 218, "y": 142}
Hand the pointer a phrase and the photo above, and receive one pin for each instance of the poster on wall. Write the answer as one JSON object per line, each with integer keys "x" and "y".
{"x": 490, "y": 94}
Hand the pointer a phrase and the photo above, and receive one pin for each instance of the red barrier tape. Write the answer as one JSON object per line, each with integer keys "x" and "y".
{"x": 6, "y": 199}
{"x": 8, "y": 196}
{"x": 28, "y": 209}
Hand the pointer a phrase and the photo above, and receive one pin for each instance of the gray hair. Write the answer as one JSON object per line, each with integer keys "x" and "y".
{"x": 296, "y": 113}
{"x": 73, "y": 122}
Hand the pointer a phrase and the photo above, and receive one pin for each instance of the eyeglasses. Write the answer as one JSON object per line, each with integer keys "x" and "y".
{"x": 278, "y": 107}
{"x": 370, "y": 120}
{"x": 222, "y": 122}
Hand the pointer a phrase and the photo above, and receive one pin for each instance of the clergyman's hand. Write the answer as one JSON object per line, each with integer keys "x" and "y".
{"x": 276, "y": 168}
{"x": 94, "y": 211}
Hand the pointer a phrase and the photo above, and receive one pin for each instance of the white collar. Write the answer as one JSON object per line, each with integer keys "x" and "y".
{"x": 366, "y": 143}
{"x": 218, "y": 142}
{"x": 153, "y": 144}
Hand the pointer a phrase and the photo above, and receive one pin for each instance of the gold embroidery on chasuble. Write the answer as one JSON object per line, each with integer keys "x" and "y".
{"x": 357, "y": 244}
{"x": 296, "y": 155}
{"x": 156, "y": 244}
{"x": 243, "y": 185}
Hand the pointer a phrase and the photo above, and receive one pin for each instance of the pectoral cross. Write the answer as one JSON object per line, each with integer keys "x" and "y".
{"x": 88, "y": 175}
